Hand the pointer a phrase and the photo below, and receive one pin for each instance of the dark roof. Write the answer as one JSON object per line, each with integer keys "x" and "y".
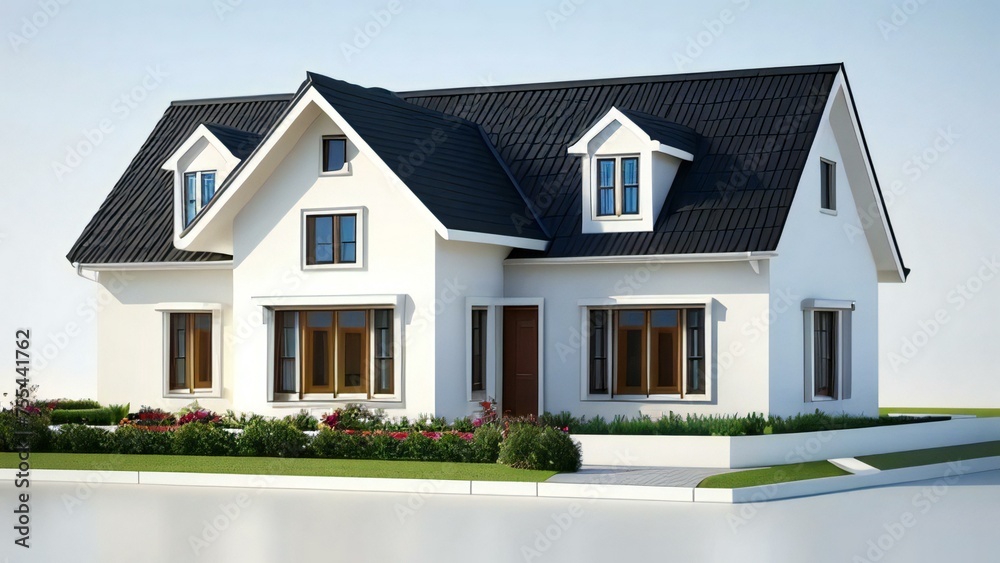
{"x": 756, "y": 128}
{"x": 666, "y": 132}
{"x": 240, "y": 143}
{"x": 446, "y": 161}
{"x": 135, "y": 222}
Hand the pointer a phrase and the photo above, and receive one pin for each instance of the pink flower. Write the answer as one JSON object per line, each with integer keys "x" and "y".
{"x": 477, "y": 422}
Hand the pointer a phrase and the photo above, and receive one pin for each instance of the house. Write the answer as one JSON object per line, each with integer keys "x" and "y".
{"x": 703, "y": 243}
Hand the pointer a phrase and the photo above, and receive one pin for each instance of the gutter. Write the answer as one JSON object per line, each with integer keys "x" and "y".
{"x": 647, "y": 259}
{"x": 153, "y": 266}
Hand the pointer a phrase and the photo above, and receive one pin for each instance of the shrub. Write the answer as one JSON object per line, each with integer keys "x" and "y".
{"x": 139, "y": 440}
{"x": 103, "y": 416}
{"x": 561, "y": 420}
{"x": 302, "y": 421}
{"x": 451, "y": 446}
{"x": 271, "y": 438}
{"x": 379, "y": 446}
{"x": 39, "y": 437}
{"x": 535, "y": 447}
{"x": 233, "y": 420}
{"x": 356, "y": 416}
{"x": 148, "y": 416}
{"x": 463, "y": 424}
{"x": 518, "y": 449}
{"x": 201, "y": 439}
{"x": 429, "y": 423}
{"x": 596, "y": 425}
{"x": 486, "y": 444}
{"x": 68, "y": 404}
{"x": 333, "y": 444}
{"x": 119, "y": 412}
{"x": 82, "y": 439}
{"x": 418, "y": 447}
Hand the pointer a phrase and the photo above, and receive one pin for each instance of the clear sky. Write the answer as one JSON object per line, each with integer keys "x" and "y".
{"x": 924, "y": 75}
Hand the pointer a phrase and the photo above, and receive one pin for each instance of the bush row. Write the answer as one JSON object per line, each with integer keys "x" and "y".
{"x": 754, "y": 424}
{"x": 526, "y": 446}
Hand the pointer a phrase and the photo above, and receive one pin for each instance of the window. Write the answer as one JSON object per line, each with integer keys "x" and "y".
{"x": 334, "y": 154}
{"x": 827, "y": 331}
{"x": 334, "y": 352}
{"x": 479, "y": 349}
{"x": 617, "y": 192}
{"x": 828, "y": 185}
{"x": 331, "y": 239}
{"x": 190, "y": 352}
{"x": 825, "y": 353}
{"x": 199, "y": 189}
{"x": 647, "y": 351}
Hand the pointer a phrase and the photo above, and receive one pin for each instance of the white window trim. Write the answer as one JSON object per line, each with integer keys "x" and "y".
{"x": 216, "y": 309}
{"x": 843, "y": 383}
{"x": 299, "y": 303}
{"x": 359, "y": 237}
{"x": 648, "y": 301}
{"x": 492, "y": 331}
{"x": 595, "y": 195}
{"x": 346, "y": 170}
{"x": 833, "y": 187}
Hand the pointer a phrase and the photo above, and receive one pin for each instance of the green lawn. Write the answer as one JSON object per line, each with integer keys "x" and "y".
{"x": 927, "y": 410}
{"x": 932, "y": 455}
{"x": 772, "y": 475}
{"x": 280, "y": 466}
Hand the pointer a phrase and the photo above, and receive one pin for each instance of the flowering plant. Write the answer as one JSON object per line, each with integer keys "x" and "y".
{"x": 330, "y": 421}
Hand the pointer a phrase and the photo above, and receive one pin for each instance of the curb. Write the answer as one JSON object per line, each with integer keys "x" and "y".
{"x": 591, "y": 491}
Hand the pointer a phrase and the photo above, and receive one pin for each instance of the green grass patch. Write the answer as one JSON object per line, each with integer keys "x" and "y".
{"x": 932, "y": 455}
{"x": 280, "y": 466}
{"x": 772, "y": 475}
{"x": 885, "y": 411}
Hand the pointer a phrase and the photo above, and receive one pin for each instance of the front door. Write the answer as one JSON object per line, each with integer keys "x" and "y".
{"x": 520, "y": 361}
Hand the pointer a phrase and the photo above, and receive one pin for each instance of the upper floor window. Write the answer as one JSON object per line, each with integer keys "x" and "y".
{"x": 617, "y": 186}
{"x": 828, "y": 185}
{"x": 331, "y": 239}
{"x": 199, "y": 189}
{"x": 334, "y": 154}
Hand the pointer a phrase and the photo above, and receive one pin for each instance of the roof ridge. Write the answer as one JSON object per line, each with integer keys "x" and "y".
{"x": 233, "y": 99}
{"x": 704, "y": 75}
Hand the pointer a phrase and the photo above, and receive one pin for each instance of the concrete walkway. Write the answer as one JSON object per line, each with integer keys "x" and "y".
{"x": 639, "y": 476}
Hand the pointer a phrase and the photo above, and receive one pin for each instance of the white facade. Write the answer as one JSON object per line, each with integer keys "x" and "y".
{"x": 757, "y": 335}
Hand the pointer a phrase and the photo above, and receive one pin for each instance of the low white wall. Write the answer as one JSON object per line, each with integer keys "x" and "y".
{"x": 781, "y": 449}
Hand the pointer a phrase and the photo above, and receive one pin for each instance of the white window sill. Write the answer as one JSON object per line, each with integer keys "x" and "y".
{"x": 345, "y": 171}
{"x": 324, "y": 402}
{"x": 824, "y": 211}
{"x": 822, "y": 399}
{"x": 616, "y": 218}
{"x": 706, "y": 398}
{"x": 207, "y": 394}
{"x": 342, "y": 266}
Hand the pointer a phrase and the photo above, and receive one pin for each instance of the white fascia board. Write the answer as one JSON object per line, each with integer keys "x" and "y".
{"x": 233, "y": 184}
{"x": 614, "y": 114}
{"x": 172, "y": 163}
{"x": 187, "y": 306}
{"x": 158, "y": 266}
{"x": 647, "y": 259}
{"x": 840, "y": 83}
{"x": 499, "y": 240}
{"x": 329, "y": 300}
{"x": 838, "y": 304}
{"x": 675, "y": 152}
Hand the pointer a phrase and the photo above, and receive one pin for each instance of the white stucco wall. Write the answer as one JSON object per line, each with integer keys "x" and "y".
{"x": 818, "y": 259}
{"x": 399, "y": 259}
{"x": 740, "y": 300}
{"x": 131, "y": 351}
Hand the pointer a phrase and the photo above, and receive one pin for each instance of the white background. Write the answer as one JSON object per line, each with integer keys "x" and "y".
{"x": 924, "y": 75}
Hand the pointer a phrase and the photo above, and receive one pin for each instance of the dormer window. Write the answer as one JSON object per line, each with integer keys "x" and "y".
{"x": 199, "y": 189}
{"x": 617, "y": 194}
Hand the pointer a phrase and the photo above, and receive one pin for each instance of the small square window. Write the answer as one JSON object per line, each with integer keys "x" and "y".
{"x": 334, "y": 154}
{"x": 331, "y": 239}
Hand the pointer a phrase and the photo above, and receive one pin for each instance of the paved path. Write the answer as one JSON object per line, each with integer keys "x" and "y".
{"x": 647, "y": 476}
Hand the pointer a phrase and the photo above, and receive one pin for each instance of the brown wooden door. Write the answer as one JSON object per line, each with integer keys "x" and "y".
{"x": 520, "y": 361}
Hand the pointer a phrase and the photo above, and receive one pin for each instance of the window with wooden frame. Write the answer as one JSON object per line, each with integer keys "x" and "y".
{"x": 332, "y": 353}
{"x": 648, "y": 351}
{"x": 190, "y": 352}
{"x": 198, "y": 190}
{"x": 828, "y": 185}
{"x": 617, "y": 186}
{"x": 331, "y": 239}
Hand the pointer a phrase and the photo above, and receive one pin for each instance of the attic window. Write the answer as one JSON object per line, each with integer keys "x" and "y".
{"x": 617, "y": 186}
{"x": 199, "y": 189}
{"x": 828, "y": 185}
{"x": 334, "y": 154}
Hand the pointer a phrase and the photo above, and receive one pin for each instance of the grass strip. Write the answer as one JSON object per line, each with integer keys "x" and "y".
{"x": 915, "y": 458}
{"x": 280, "y": 466}
{"x": 772, "y": 475}
{"x": 885, "y": 411}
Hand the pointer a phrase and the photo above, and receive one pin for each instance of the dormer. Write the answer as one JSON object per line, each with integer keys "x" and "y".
{"x": 629, "y": 162}
{"x": 201, "y": 164}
